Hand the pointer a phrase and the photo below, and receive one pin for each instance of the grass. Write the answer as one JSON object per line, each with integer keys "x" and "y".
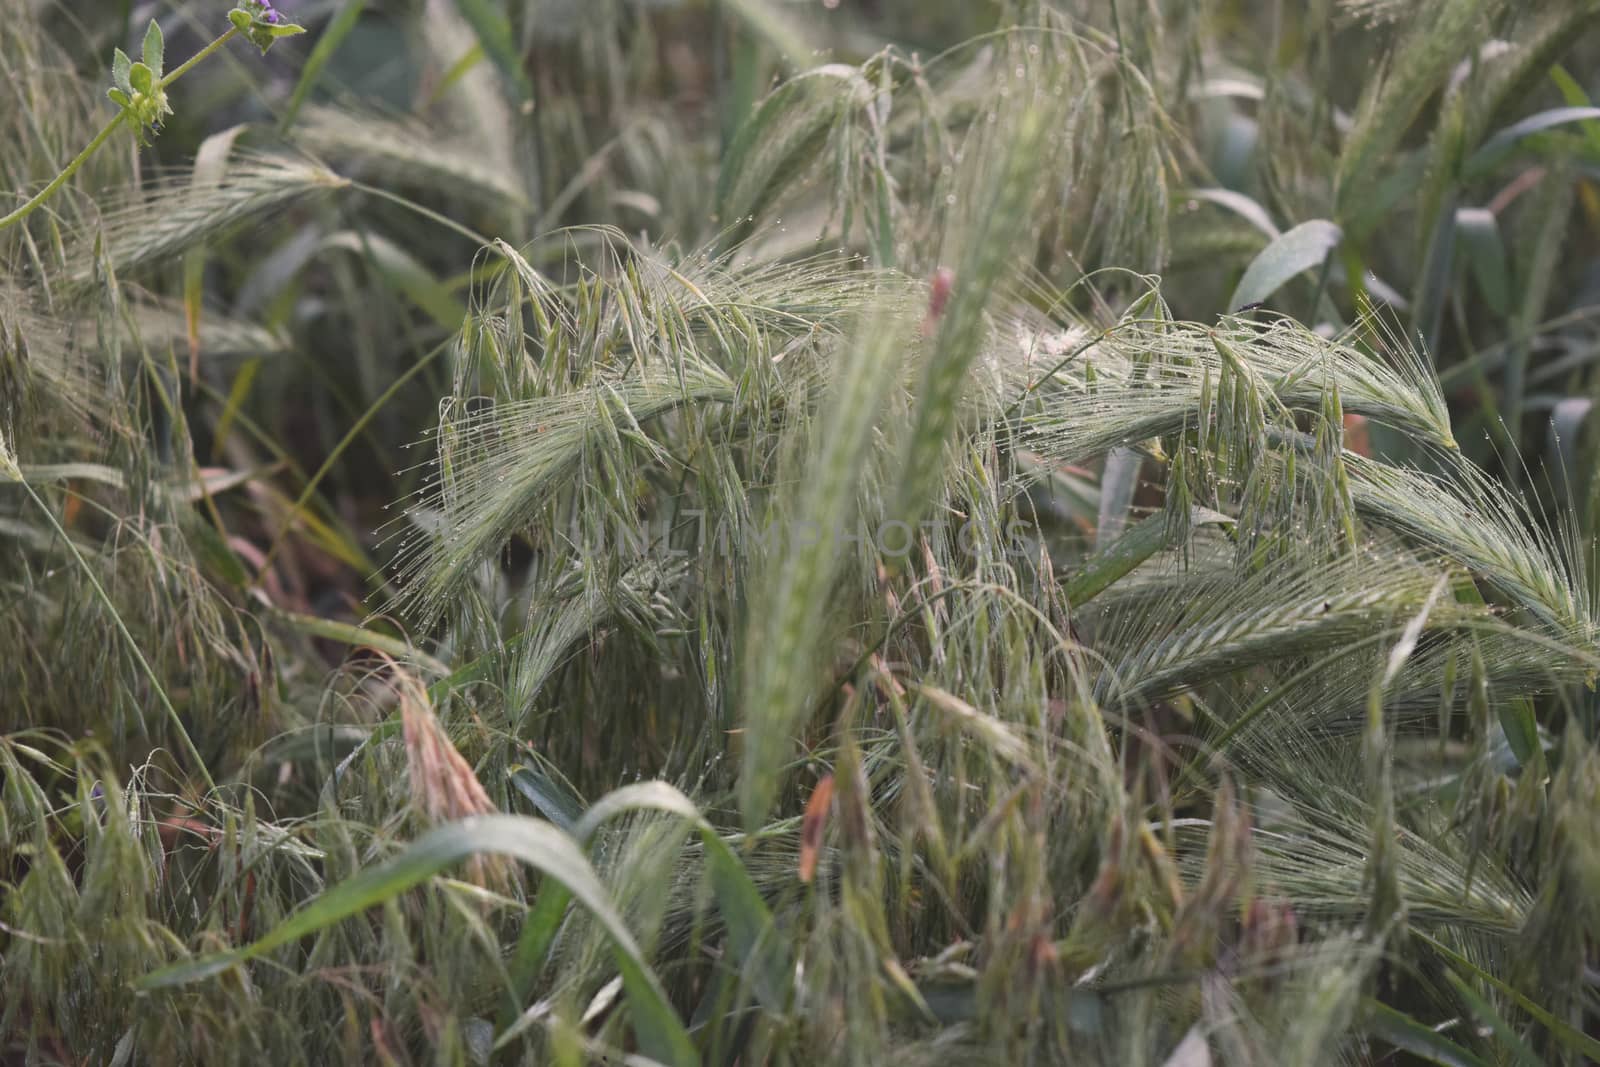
{"x": 743, "y": 532}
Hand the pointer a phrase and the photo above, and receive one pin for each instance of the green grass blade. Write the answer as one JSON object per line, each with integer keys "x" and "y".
{"x": 1307, "y": 245}
{"x": 327, "y": 44}
{"x": 1486, "y": 1013}
{"x": 1497, "y": 148}
{"x": 1572, "y": 1038}
{"x": 1478, "y": 237}
{"x": 539, "y": 845}
{"x": 494, "y": 32}
{"x": 1408, "y": 1035}
{"x": 1137, "y": 544}
{"x": 755, "y": 941}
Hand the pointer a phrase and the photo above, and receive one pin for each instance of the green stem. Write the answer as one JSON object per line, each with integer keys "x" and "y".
{"x": 427, "y": 213}
{"x": 61, "y": 179}
{"x": 122, "y": 628}
{"x": 100, "y": 138}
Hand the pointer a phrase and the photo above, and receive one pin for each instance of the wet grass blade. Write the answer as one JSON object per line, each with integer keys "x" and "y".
{"x": 1137, "y": 544}
{"x": 757, "y": 944}
{"x": 539, "y": 845}
{"x": 1408, "y": 1035}
{"x": 1289, "y": 254}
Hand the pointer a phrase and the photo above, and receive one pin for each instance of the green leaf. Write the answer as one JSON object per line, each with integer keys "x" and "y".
{"x": 260, "y": 32}
{"x": 1507, "y": 1034}
{"x": 494, "y": 33}
{"x": 327, "y": 44}
{"x": 1297, "y": 250}
{"x": 210, "y": 162}
{"x": 1503, "y": 143}
{"x": 1478, "y": 234}
{"x": 404, "y": 272}
{"x": 755, "y": 941}
{"x": 1565, "y": 443}
{"x": 533, "y": 947}
{"x": 1408, "y": 1035}
{"x": 752, "y": 934}
{"x": 119, "y": 98}
{"x": 544, "y": 793}
{"x": 660, "y": 1033}
{"x": 1119, "y": 480}
{"x": 1137, "y": 544}
{"x": 1246, "y": 208}
{"x": 1522, "y": 729}
{"x": 214, "y": 554}
{"x": 1574, "y": 95}
{"x": 1560, "y": 1029}
{"x": 120, "y": 67}
{"x": 140, "y": 77}
{"x": 154, "y": 49}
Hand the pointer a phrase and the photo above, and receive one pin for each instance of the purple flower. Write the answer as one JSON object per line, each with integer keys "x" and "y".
{"x": 261, "y": 23}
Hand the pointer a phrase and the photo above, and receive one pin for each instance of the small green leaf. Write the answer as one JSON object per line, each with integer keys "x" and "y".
{"x": 543, "y": 792}
{"x": 141, "y": 78}
{"x": 263, "y": 34}
{"x": 1118, "y": 558}
{"x": 1299, "y": 249}
{"x": 154, "y": 49}
{"x": 1478, "y": 233}
{"x": 1497, "y": 148}
{"x": 240, "y": 20}
{"x": 119, "y": 98}
{"x": 1574, "y": 95}
{"x": 1118, "y": 482}
{"x": 213, "y": 553}
{"x": 1522, "y": 729}
{"x": 1243, "y": 206}
{"x": 120, "y": 66}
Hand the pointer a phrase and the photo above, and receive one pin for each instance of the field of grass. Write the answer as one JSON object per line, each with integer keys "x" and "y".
{"x": 799, "y": 531}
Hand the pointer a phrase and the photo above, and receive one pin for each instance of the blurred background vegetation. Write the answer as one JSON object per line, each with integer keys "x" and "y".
{"x": 1268, "y": 739}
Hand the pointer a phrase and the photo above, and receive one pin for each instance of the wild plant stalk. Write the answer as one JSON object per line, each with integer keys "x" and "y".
{"x": 105, "y": 133}
{"x": 146, "y": 107}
